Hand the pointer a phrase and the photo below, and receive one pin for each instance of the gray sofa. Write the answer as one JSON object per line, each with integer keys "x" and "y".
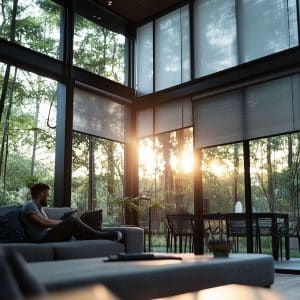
{"x": 13, "y": 237}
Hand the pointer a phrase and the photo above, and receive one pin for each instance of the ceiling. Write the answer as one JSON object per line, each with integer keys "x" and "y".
{"x": 137, "y": 10}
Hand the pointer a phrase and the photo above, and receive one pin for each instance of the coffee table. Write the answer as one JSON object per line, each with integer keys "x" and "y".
{"x": 156, "y": 278}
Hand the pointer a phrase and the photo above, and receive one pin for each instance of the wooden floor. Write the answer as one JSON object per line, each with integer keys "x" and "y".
{"x": 287, "y": 285}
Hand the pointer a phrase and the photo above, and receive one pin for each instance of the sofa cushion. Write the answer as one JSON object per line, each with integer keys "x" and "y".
{"x": 27, "y": 282}
{"x": 11, "y": 228}
{"x": 8, "y": 285}
{"x": 86, "y": 249}
{"x": 32, "y": 251}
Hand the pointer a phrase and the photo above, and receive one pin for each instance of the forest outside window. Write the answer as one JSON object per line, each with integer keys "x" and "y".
{"x": 166, "y": 169}
{"x": 98, "y": 176}
{"x": 28, "y": 133}
{"x": 34, "y": 24}
{"x": 99, "y": 50}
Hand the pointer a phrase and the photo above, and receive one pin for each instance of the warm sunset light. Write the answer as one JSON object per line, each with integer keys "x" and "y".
{"x": 217, "y": 169}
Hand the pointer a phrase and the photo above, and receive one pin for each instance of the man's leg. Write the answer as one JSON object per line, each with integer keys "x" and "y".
{"x": 81, "y": 231}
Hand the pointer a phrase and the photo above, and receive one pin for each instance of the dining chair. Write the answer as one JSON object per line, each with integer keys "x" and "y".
{"x": 292, "y": 231}
{"x": 237, "y": 228}
{"x": 179, "y": 227}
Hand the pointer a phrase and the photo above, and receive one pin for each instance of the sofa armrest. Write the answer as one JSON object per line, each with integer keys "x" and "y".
{"x": 133, "y": 238}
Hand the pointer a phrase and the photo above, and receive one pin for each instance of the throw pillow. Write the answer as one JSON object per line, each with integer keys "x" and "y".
{"x": 11, "y": 228}
{"x": 27, "y": 282}
{"x": 93, "y": 218}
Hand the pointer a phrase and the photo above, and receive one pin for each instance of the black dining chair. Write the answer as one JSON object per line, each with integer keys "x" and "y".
{"x": 292, "y": 231}
{"x": 237, "y": 228}
{"x": 179, "y": 228}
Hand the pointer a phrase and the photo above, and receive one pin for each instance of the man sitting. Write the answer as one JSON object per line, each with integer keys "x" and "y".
{"x": 42, "y": 229}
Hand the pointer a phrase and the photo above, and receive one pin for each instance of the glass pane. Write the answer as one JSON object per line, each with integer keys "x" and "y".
{"x": 215, "y": 36}
{"x": 223, "y": 194}
{"x": 223, "y": 178}
{"x": 34, "y": 24}
{"x": 144, "y": 59}
{"x": 166, "y": 175}
{"x": 28, "y": 131}
{"x": 98, "y": 177}
{"x": 275, "y": 181}
{"x": 99, "y": 50}
{"x": 273, "y": 30}
{"x": 172, "y": 60}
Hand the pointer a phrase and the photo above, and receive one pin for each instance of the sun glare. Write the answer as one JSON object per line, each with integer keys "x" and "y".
{"x": 147, "y": 158}
{"x": 217, "y": 169}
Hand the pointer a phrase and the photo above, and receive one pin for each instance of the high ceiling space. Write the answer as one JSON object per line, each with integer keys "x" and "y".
{"x": 138, "y": 10}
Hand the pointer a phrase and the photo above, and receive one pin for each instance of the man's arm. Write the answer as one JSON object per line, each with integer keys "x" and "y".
{"x": 42, "y": 221}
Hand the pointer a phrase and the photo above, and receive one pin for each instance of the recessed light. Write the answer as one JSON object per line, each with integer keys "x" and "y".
{"x": 109, "y": 2}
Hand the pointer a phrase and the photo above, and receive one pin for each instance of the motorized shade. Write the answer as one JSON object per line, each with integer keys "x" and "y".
{"x": 99, "y": 115}
{"x": 165, "y": 117}
{"x": 265, "y": 109}
{"x": 144, "y": 59}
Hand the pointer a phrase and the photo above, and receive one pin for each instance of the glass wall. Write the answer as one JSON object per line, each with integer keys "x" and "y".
{"x": 225, "y": 34}
{"x": 98, "y": 176}
{"x": 172, "y": 52}
{"x": 166, "y": 176}
{"x": 28, "y": 132}
{"x": 99, "y": 50}
{"x": 34, "y": 24}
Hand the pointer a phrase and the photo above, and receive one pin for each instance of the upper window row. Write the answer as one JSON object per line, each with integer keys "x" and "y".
{"x": 226, "y": 33}
{"x": 37, "y": 24}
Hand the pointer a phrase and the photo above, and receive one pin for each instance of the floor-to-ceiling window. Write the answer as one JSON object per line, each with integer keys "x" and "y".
{"x": 28, "y": 131}
{"x": 166, "y": 176}
{"x": 266, "y": 109}
{"x": 98, "y": 154}
{"x": 165, "y": 164}
{"x": 275, "y": 179}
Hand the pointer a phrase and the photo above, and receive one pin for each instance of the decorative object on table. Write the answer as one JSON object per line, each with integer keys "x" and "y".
{"x": 218, "y": 242}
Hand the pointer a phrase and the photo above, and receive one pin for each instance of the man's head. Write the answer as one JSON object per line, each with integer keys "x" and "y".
{"x": 40, "y": 193}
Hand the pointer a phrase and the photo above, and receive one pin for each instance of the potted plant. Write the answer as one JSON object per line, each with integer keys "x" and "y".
{"x": 218, "y": 242}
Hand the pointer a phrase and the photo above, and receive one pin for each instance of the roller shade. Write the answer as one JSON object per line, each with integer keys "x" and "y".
{"x": 165, "y": 117}
{"x": 99, "y": 115}
{"x": 262, "y": 110}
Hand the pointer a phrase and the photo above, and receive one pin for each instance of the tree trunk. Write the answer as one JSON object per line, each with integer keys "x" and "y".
{"x": 3, "y": 17}
{"x": 236, "y": 172}
{"x": 6, "y": 124}
{"x": 35, "y": 132}
{"x": 110, "y": 178}
{"x": 7, "y": 71}
{"x": 92, "y": 196}
{"x": 270, "y": 189}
